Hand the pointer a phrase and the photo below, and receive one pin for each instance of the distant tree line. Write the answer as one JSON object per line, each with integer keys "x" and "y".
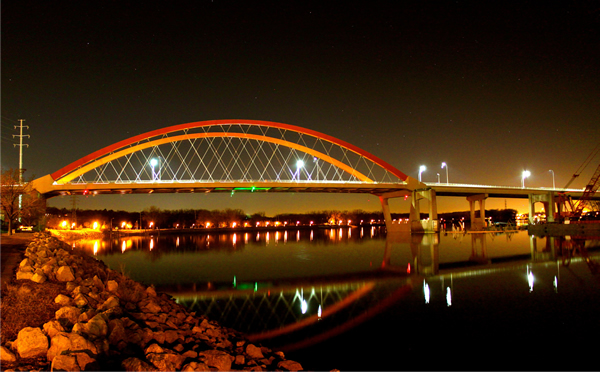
{"x": 154, "y": 217}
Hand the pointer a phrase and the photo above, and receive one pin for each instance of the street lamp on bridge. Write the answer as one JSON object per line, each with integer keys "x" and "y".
{"x": 153, "y": 163}
{"x": 524, "y": 175}
{"x": 422, "y": 169}
{"x": 553, "y": 184}
{"x": 444, "y": 165}
{"x": 299, "y": 165}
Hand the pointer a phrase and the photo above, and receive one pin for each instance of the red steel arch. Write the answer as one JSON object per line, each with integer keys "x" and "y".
{"x": 182, "y": 127}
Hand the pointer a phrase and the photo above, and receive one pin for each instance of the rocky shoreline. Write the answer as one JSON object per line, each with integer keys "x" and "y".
{"x": 110, "y": 322}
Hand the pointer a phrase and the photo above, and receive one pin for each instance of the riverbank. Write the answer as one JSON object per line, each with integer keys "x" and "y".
{"x": 93, "y": 318}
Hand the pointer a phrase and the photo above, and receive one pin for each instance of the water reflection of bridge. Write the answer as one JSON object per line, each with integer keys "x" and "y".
{"x": 291, "y": 311}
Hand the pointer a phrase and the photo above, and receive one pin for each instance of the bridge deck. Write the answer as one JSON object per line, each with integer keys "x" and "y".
{"x": 459, "y": 190}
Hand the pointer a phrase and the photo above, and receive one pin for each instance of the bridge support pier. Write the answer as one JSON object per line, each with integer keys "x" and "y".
{"x": 477, "y": 223}
{"x": 550, "y": 202}
{"x": 415, "y": 224}
{"x": 392, "y": 226}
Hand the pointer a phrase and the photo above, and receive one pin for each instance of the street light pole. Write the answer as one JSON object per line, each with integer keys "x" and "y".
{"x": 153, "y": 163}
{"x": 524, "y": 175}
{"x": 553, "y": 184}
{"x": 299, "y": 165}
{"x": 444, "y": 165}
{"x": 422, "y": 169}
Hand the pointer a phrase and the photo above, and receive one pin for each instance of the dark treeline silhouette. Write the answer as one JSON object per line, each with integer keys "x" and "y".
{"x": 154, "y": 217}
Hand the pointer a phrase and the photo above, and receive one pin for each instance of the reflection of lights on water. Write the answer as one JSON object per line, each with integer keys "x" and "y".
{"x": 298, "y": 235}
{"x": 96, "y": 247}
{"x": 530, "y": 279}
{"x": 555, "y": 284}
{"x": 408, "y": 268}
{"x": 319, "y": 311}
{"x": 267, "y": 238}
{"x": 123, "y": 246}
{"x": 257, "y": 236}
{"x": 234, "y": 239}
{"x": 362, "y": 231}
{"x": 448, "y": 296}
{"x": 340, "y": 233}
{"x": 304, "y": 306}
{"x": 311, "y": 235}
{"x": 246, "y": 238}
{"x": 177, "y": 242}
{"x": 151, "y": 243}
{"x": 372, "y": 231}
{"x": 426, "y": 292}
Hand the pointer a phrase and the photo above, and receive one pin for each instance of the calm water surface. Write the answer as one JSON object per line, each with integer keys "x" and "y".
{"x": 358, "y": 299}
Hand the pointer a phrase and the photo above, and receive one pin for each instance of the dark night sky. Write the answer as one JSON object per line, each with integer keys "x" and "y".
{"x": 490, "y": 88}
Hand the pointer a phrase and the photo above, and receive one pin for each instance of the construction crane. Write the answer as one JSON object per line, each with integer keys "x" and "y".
{"x": 585, "y": 163}
{"x": 590, "y": 188}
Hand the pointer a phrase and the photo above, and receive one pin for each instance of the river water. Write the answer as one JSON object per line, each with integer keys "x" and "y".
{"x": 356, "y": 298}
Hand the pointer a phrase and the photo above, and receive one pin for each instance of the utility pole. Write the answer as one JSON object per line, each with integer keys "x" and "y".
{"x": 21, "y": 144}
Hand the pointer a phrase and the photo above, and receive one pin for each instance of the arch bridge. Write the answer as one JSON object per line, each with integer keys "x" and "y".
{"x": 262, "y": 156}
{"x": 239, "y": 156}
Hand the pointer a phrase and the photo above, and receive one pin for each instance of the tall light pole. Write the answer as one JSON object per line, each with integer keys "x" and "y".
{"x": 438, "y": 177}
{"x": 444, "y": 165}
{"x": 153, "y": 163}
{"x": 524, "y": 175}
{"x": 299, "y": 165}
{"x": 422, "y": 169}
{"x": 553, "y": 184}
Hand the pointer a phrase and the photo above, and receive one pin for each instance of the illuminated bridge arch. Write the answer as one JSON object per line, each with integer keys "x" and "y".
{"x": 235, "y": 152}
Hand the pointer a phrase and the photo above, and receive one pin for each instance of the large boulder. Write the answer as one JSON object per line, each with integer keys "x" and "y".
{"x": 75, "y": 362}
{"x": 31, "y": 343}
{"x": 217, "y": 359}
{"x": 289, "y": 365}
{"x": 69, "y": 342}
{"x": 95, "y": 328}
{"x": 135, "y": 364}
{"x": 53, "y": 327}
{"x": 67, "y": 315}
{"x": 65, "y": 274}
{"x": 6, "y": 356}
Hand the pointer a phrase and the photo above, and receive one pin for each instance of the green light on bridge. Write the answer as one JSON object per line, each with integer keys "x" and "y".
{"x": 252, "y": 189}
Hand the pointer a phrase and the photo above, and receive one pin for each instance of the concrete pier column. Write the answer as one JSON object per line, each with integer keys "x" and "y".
{"x": 415, "y": 213}
{"x": 387, "y": 216}
{"x": 418, "y": 225}
{"x": 399, "y": 226}
{"x": 531, "y": 208}
{"x": 477, "y": 223}
{"x": 550, "y": 202}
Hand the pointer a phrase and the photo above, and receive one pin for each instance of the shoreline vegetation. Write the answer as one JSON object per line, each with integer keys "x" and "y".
{"x": 194, "y": 219}
{"x": 66, "y": 310}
